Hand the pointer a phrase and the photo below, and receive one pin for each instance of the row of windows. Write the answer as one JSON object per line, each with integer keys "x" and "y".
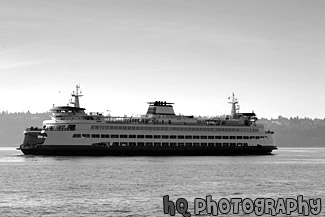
{"x": 174, "y": 144}
{"x": 125, "y": 136}
{"x": 213, "y": 129}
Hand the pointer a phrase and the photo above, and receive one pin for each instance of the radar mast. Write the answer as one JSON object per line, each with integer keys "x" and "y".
{"x": 234, "y": 108}
{"x": 76, "y": 96}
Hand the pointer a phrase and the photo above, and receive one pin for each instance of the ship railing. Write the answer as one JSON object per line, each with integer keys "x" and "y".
{"x": 199, "y": 123}
{"x": 49, "y": 128}
{"x": 58, "y": 128}
{"x": 34, "y": 129}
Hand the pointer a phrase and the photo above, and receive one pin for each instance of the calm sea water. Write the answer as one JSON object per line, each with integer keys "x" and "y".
{"x": 135, "y": 186}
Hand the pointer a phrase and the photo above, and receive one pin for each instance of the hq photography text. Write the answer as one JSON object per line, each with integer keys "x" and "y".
{"x": 258, "y": 206}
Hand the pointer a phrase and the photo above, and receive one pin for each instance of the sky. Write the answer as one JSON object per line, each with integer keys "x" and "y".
{"x": 194, "y": 53}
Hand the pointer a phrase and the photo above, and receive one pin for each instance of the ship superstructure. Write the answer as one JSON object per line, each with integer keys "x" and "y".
{"x": 71, "y": 131}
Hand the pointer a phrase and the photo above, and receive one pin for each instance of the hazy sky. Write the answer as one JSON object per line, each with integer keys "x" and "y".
{"x": 194, "y": 53}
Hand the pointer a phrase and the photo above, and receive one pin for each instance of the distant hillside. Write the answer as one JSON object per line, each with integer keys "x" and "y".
{"x": 297, "y": 132}
{"x": 12, "y": 126}
{"x": 289, "y": 132}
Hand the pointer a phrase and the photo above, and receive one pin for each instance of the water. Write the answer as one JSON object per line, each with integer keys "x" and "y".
{"x": 135, "y": 186}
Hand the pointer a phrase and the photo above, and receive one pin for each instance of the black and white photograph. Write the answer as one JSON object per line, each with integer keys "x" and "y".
{"x": 140, "y": 108}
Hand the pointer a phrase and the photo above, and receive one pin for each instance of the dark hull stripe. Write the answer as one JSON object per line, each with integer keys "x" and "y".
{"x": 147, "y": 151}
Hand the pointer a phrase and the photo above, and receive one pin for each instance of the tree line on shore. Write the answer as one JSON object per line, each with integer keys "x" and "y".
{"x": 289, "y": 132}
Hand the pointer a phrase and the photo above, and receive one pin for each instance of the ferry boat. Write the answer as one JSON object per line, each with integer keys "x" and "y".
{"x": 71, "y": 131}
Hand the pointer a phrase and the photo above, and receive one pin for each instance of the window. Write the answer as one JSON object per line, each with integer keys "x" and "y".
{"x": 114, "y": 136}
{"x": 156, "y": 136}
{"x": 85, "y": 135}
{"x": 245, "y": 137}
{"x": 239, "y": 137}
{"x": 204, "y": 137}
{"x": 76, "y": 136}
{"x": 140, "y": 136}
{"x": 95, "y": 136}
{"x": 148, "y": 136}
{"x": 124, "y": 136}
{"x": 232, "y": 137}
{"x": 210, "y": 137}
{"x": 104, "y": 136}
{"x": 218, "y": 137}
{"x": 180, "y": 137}
{"x": 132, "y": 136}
{"x": 172, "y": 137}
{"x": 164, "y": 136}
{"x": 225, "y": 137}
{"x": 188, "y": 137}
{"x": 196, "y": 137}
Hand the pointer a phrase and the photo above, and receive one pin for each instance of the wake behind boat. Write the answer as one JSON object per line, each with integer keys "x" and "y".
{"x": 71, "y": 131}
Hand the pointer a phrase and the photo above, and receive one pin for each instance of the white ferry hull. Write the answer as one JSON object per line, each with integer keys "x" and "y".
{"x": 208, "y": 141}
